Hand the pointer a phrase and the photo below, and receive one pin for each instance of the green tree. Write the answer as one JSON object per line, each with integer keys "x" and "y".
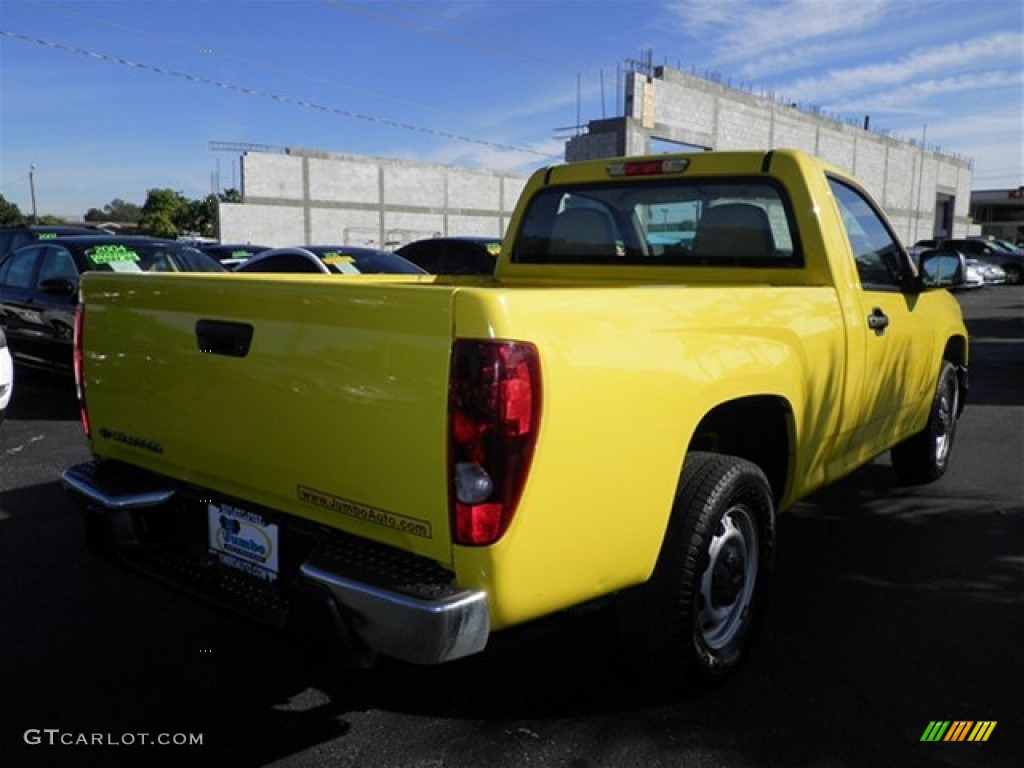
{"x": 203, "y": 216}
{"x": 166, "y": 213}
{"x": 10, "y": 214}
{"x": 116, "y": 210}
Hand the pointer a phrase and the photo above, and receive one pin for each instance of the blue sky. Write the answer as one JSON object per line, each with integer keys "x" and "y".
{"x": 110, "y": 99}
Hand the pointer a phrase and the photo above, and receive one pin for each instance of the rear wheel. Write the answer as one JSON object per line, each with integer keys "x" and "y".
{"x": 924, "y": 457}
{"x": 691, "y": 622}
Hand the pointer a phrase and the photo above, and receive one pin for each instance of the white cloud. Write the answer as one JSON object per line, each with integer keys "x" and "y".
{"x": 912, "y": 97}
{"x": 495, "y": 158}
{"x": 749, "y": 28}
{"x": 992, "y": 139}
{"x": 927, "y": 61}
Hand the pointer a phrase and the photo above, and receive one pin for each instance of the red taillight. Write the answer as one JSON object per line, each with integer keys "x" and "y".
{"x": 79, "y": 372}
{"x": 494, "y": 414}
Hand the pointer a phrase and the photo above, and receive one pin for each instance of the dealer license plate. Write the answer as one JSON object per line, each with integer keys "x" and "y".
{"x": 243, "y": 540}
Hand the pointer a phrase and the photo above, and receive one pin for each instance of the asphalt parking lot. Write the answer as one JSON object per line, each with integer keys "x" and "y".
{"x": 891, "y": 608}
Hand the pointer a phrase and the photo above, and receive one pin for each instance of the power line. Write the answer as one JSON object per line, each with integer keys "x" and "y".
{"x": 251, "y": 63}
{"x": 197, "y": 80}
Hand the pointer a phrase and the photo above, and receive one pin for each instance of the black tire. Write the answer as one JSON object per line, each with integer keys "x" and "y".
{"x": 689, "y": 625}
{"x": 924, "y": 457}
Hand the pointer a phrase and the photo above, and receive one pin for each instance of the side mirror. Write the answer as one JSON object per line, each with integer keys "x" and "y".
{"x": 943, "y": 269}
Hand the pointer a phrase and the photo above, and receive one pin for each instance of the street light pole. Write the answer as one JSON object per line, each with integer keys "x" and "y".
{"x": 32, "y": 186}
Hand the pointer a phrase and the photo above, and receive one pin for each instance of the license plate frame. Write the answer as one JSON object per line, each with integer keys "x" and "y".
{"x": 243, "y": 540}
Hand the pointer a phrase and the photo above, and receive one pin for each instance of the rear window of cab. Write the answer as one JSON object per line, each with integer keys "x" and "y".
{"x": 692, "y": 222}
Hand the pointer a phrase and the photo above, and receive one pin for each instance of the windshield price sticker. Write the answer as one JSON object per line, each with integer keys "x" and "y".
{"x": 342, "y": 263}
{"x": 243, "y": 540}
{"x": 105, "y": 254}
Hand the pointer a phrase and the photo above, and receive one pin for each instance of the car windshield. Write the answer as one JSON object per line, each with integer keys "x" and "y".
{"x": 148, "y": 257}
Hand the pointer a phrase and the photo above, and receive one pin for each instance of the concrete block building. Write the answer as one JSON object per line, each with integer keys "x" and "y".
{"x": 295, "y": 196}
{"x": 298, "y": 196}
{"x": 925, "y": 193}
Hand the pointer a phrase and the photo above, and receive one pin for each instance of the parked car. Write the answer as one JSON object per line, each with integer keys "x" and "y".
{"x": 991, "y": 274}
{"x": 973, "y": 277}
{"x": 6, "y": 376}
{"x": 453, "y": 255}
{"x": 39, "y": 287}
{"x": 12, "y": 238}
{"x": 1003, "y": 245}
{"x": 231, "y": 254}
{"x": 329, "y": 260}
{"x": 1012, "y": 262}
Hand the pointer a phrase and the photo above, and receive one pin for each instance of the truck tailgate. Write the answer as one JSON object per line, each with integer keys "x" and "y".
{"x": 299, "y": 393}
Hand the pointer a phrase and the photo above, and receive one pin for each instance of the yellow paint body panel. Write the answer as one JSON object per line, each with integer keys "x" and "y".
{"x": 345, "y": 388}
{"x": 343, "y": 392}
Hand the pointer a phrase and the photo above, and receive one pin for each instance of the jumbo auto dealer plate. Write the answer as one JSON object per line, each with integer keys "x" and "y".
{"x": 243, "y": 540}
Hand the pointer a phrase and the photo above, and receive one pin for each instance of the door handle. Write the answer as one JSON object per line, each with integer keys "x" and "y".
{"x": 878, "y": 321}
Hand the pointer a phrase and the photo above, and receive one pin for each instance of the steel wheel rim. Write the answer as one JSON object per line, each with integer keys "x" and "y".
{"x": 727, "y": 584}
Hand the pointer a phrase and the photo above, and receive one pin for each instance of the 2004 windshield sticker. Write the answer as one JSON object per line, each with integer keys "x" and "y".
{"x": 116, "y": 256}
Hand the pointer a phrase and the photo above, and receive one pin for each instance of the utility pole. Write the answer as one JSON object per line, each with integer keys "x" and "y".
{"x": 32, "y": 187}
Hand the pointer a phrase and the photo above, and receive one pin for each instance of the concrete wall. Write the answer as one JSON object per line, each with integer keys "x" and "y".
{"x": 304, "y": 196}
{"x": 677, "y": 107}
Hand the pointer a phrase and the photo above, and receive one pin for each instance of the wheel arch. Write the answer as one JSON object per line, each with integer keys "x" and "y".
{"x": 956, "y": 352}
{"x": 758, "y": 428}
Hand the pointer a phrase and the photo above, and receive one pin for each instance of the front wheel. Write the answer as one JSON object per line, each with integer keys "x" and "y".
{"x": 924, "y": 457}
{"x": 691, "y": 622}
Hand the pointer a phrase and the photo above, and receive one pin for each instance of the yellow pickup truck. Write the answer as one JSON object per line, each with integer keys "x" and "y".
{"x": 672, "y": 350}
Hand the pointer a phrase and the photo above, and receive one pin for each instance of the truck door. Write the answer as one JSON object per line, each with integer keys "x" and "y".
{"x": 890, "y": 338}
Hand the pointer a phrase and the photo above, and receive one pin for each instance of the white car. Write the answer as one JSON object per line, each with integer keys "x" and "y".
{"x": 6, "y": 375}
{"x": 974, "y": 278}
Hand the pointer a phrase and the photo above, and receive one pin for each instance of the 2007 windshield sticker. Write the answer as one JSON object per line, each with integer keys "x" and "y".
{"x": 243, "y": 541}
{"x": 111, "y": 254}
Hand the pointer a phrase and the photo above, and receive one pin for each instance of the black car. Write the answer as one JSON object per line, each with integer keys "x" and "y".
{"x": 329, "y": 260}
{"x": 453, "y": 255}
{"x": 12, "y": 238}
{"x": 39, "y": 287}
{"x": 231, "y": 254}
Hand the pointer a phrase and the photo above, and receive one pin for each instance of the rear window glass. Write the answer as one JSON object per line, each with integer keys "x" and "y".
{"x": 682, "y": 222}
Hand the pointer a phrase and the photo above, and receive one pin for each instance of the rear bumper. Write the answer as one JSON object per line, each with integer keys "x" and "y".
{"x": 376, "y": 599}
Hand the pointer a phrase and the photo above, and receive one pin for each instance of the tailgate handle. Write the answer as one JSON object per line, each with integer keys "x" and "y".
{"x": 218, "y": 337}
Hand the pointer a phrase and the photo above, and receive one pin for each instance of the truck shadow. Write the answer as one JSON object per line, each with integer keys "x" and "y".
{"x": 878, "y": 593}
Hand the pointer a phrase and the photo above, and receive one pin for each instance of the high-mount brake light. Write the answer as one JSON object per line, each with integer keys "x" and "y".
{"x": 494, "y": 416}
{"x": 648, "y": 167}
{"x": 83, "y": 414}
